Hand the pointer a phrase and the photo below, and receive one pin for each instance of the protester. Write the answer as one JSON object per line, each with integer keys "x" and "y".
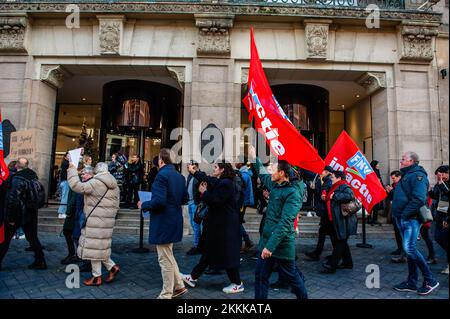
{"x": 19, "y": 213}
{"x": 277, "y": 243}
{"x": 373, "y": 218}
{"x": 166, "y": 222}
{"x": 135, "y": 178}
{"x": 324, "y": 227}
{"x": 115, "y": 168}
{"x": 395, "y": 178}
{"x": 341, "y": 227}
{"x": 101, "y": 204}
{"x": 409, "y": 196}
{"x": 192, "y": 189}
{"x": 440, "y": 194}
{"x": 63, "y": 186}
{"x": 87, "y": 161}
{"x": 152, "y": 174}
{"x": 221, "y": 227}
{"x": 248, "y": 201}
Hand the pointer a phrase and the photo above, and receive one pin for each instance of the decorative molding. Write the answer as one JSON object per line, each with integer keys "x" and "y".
{"x": 13, "y": 30}
{"x": 416, "y": 41}
{"x": 214, "y": 36}
{"x": 372, "y": 81}
{"x": 317, "y": 39}
{"x": 54, "y": 75}
{"x": 110, "y": 34}
{"x": 177, "y": 73}
{"x": 244, "y": 75}
{"x": 228, "y": 8}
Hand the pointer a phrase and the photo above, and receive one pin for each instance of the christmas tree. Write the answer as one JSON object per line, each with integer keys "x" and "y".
{"x": 87, "y": 142}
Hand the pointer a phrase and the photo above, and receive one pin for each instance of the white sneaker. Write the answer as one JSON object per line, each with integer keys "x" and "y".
{"x": 188, "y": 280}
{"x": 22, "y": 237}
{"x": 233, "y": 289}
{"x": 61, "y": 216}
{"x": 445, "y": 271}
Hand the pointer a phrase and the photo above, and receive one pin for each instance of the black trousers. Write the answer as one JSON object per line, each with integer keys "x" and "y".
{"x": 425, "y": 233}
{"x": 133, "y": 197}
{"x": 233, "y": 273}
{"x": 341, "y": 250}
{"x": 325, "y": 228}
{"x": 30, "y": 230}
{"x": 68, "y": 235}
{"x": 398, "y": 237}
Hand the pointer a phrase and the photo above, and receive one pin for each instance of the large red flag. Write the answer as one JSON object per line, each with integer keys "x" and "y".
{"x": 346, "y": 156}
{"x": 4, "y": 173}
{"x": 281, "y": 135}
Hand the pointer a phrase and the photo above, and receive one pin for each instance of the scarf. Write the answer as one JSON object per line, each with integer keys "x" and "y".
{"x": 328, "y": 199}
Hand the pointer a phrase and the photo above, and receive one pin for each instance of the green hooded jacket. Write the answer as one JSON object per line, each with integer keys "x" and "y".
{"x": 285, "y": 201}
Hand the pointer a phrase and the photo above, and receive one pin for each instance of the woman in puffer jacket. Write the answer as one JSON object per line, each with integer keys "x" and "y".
{"x": 101, "y": 204}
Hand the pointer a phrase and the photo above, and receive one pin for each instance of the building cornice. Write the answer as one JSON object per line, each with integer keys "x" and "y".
{"x": 229, "y": 9}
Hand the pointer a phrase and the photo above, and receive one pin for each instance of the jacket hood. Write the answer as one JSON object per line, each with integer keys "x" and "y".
{"x": 27, "y": 174}
{"x": 244, "y": 169}
{"x": 413, "y": 169}
{"x": 108, "y": 179}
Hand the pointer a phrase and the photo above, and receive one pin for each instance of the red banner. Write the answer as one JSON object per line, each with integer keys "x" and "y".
{"x": 284, "y": 139}
{"x": 346, "y": 156}
{"x": 4, "y": 172}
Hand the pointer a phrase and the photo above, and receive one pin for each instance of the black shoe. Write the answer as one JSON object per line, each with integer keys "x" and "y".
{"x": 312, "y": 256}
{"x": 279, "y": 285}
{"x": 31, "y": 249}
{"x": 38, "y": 265}
{"x": 193, "y": 251}
{"x": 396, "y": 252}
{"x": 342, "y": 266}
{"x": 213, "y": 272}
{"x": 327, "y": 269}
{"x": 69, "y": 260}
{"x": 399, "y": 260}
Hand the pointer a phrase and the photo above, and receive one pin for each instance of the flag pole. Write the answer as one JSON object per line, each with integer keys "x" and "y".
{"x": 364, "y": 244}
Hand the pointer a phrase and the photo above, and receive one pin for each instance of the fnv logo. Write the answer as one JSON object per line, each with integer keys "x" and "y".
{"x": 358, "y": 165}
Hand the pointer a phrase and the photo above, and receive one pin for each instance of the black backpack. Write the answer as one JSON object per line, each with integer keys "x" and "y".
{"x": 35, "y": 197}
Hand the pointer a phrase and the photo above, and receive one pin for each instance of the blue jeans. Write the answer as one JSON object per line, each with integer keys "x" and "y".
{"x": 196, "y": 227}
{"x": 64, "y": 186}
{"x": 244, "y": 234}
{"x": 409, "y": 229}
{"x": 286, "y": 268}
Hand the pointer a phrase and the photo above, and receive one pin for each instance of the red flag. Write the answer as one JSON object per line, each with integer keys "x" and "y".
{"x": 271, "y": 121}
{"x": 346, "y": 156}
{"x": 4, "y": 172}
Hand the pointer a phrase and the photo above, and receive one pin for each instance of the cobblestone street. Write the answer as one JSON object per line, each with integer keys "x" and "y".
{"x": 141, "y": 278}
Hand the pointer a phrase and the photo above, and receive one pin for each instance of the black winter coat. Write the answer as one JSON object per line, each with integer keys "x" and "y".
{"x": 15, "y": 199}
{"x": 221, "y": 227}
{"x": 344, "y": 226}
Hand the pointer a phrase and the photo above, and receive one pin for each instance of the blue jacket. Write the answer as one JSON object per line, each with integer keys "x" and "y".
{"x": 166, "y": 215}
{"x": 411, "y": 192}
{"x": 248, "y": 190}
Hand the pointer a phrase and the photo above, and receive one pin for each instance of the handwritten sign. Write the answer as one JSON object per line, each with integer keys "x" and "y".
{"x": 23, "y": 144}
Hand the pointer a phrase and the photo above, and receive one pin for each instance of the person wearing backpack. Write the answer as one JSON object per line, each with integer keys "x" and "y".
{"x": 22, "y": 202}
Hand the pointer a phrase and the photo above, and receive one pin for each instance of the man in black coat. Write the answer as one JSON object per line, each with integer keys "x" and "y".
{"x": 18, "y": 214}
{"x": 325, "y": 229}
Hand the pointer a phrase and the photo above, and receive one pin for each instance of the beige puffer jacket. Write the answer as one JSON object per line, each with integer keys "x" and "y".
{"x": 96, "y": 237}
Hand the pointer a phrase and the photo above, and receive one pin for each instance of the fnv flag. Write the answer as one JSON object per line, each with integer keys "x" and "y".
{"x": 346, "y": 156}
{"x": 4, "y": 173}
{"x": 283, "y": 138}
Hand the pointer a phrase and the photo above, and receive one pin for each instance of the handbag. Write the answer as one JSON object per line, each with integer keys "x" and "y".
{"x": 442, "y": 206}
{"x": 350, "y": 208}
{"x": 200, "y": 213}
{"x": 424, "y": 214}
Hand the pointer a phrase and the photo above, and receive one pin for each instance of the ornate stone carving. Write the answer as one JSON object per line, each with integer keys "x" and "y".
{"x": 416, "y": 42}
{"x": 372, "y": 81}
{"x": 110, "y": 34}
{"x": 177, "y": 73}
{"x": 54, "y": 75}
{"x": 229, "y": 8}
{"x": 244, "y": 75}
{"x": 316, "y": 40}
{"x": 13, "y": 33}
{"x": 214, "y": 37}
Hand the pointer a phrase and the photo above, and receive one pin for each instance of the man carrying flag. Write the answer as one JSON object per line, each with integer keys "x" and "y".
{"x": 4, "y": 173}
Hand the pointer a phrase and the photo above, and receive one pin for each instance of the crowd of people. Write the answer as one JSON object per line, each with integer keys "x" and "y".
{"x": 91, "y": 196}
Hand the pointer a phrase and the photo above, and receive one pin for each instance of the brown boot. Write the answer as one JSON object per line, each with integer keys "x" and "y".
{"x": 94, "y": 281}
{"x": 112, "y": 273}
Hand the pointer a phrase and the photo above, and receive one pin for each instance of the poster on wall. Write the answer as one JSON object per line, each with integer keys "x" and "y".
{"x": 23, "y": 144}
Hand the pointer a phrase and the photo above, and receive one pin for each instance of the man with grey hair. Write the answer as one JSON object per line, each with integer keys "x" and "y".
{"x": 20, "y": 214}
{"x": 409, "y": 196}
